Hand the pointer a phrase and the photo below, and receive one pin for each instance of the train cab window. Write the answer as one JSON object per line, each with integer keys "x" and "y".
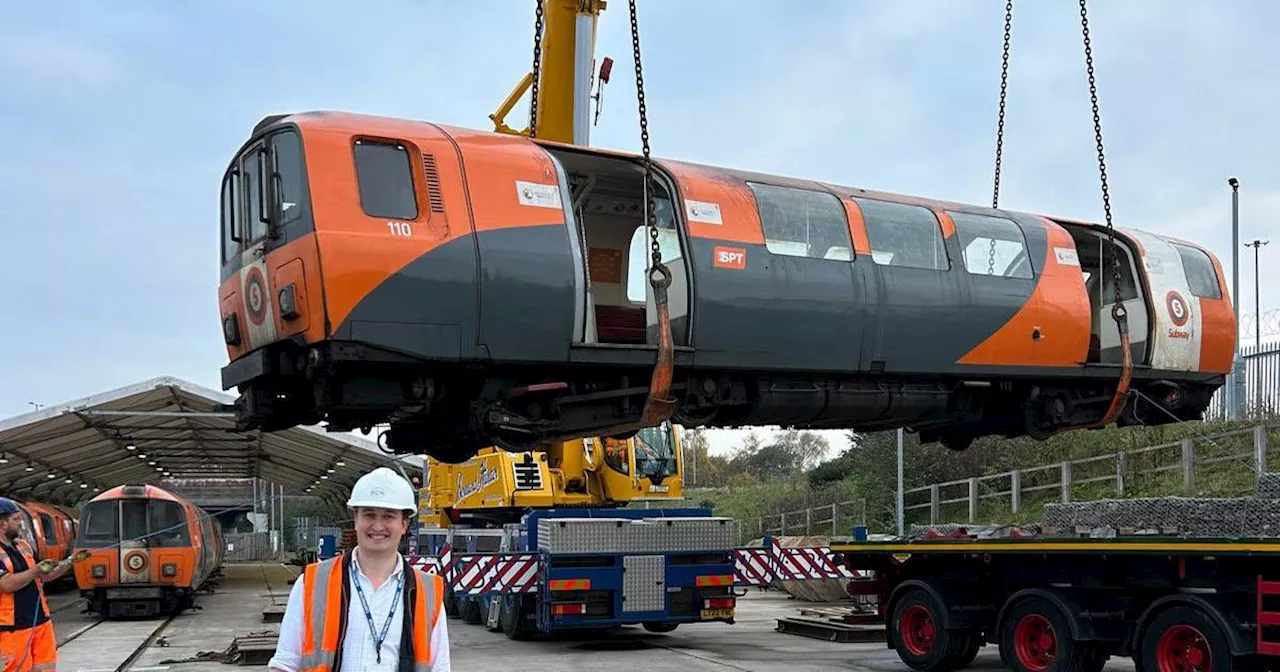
{"x": 286, "y": 156}
{"x": 101, "y": 526}
{"x": 1201, "y": 276}
{"x": 992, "y": 245}
{"x": 908, "y": 236}
{"x": 802, "y": 222}
{"x": 231, "y": 236}
{"x": 49, "y": 528}
{"x": 166, "y": 524}
{"x": 385, "y": 176}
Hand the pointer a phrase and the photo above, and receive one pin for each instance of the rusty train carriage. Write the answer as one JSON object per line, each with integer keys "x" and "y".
{"x": 151, "y": 550}
{"x": 475, "y": 288}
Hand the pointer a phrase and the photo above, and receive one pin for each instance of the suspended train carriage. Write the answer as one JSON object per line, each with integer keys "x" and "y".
{"x": 475, "y": 288}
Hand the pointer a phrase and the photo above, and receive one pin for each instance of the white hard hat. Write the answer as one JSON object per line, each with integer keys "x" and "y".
{"x": 383, "y": 488}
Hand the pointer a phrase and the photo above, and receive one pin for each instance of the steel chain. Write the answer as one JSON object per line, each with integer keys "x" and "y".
{"x": 655, "y": 248}
{"x": 537, "y": 71}
{"x": 991, "y": 258}
{"x": 1118, "y": 310}
{"x": 1004, "y": 88}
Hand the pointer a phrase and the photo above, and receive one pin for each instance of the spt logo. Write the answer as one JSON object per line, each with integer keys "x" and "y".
{"x": 730, "y": 257}
{"x": 1179, "y": 312}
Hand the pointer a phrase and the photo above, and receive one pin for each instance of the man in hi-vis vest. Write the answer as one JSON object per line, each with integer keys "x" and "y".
{"x": 367, "y": 610}
{"x": 26, "y": 629}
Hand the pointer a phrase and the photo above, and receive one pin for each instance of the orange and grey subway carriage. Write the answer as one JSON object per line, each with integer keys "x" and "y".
{"x": 151, "y": 550}
{"x": 563, "y": 569}
{"x": 474, "y": 288}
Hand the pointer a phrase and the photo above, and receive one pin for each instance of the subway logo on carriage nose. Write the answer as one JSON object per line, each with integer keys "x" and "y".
{"x": 730, "y": 257}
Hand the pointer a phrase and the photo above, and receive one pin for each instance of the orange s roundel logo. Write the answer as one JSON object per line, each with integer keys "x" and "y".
{"x": 1178, "y": 309}
{"x": 255, "y": 295}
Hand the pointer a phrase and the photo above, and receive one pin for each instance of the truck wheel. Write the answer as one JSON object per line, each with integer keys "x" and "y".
{"x": 450, "y": 604}
{"x": 973, "y": 642}
{"x": 917, "y": 634}
{"x": 512, "y": 618}
{"x": 656, "y": 626}
{"x": 470, "y": 611}
{"x": 1184, "y": 639}
{"x": 1036, "y": 637}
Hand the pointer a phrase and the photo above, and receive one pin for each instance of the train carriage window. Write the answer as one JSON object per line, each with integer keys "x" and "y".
{"x": 802, "y": 222}
{"x": 385, "y": 176}
{"x": 992, "y": 245}
{"x": 49, "y": 528}
{"x": 904, "y": 235}
{"x": 1202, "y": 279}
{"x": 286, "y": 157}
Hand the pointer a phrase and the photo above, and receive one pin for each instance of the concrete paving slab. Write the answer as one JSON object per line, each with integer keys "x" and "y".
{"x": 750, "y": 645}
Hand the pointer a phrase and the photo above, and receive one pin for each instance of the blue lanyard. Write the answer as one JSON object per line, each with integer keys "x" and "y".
{"x": 378, "y": 639}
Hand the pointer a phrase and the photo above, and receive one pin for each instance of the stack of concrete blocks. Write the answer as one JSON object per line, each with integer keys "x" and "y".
{"x": 1255, "y": 516}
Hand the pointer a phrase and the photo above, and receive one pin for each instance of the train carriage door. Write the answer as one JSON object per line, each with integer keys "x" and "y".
{"x": 1178, "y": 277}
{"x": 922, "y": 323}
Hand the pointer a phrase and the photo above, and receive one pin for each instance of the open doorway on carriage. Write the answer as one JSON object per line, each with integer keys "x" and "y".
{"x": 608, "y": 197}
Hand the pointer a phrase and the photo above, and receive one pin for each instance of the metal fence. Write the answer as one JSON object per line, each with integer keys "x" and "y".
{"x": 251, "y": 546}
{"x": 1225, "y": 464}
{"x": 836, "y": 520}
{"x": 1261, "y": 383}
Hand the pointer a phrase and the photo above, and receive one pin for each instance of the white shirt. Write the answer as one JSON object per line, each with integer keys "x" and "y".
{"x": 358, "y": 650}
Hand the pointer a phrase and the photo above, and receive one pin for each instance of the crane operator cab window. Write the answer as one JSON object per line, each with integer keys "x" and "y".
{"x": 655, "y": 453}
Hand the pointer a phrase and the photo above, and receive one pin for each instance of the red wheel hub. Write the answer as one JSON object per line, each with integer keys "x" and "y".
{"x": 1035, "y": 642}
{"x": 917, "y": 630}
{"x": 1183, "y": 648}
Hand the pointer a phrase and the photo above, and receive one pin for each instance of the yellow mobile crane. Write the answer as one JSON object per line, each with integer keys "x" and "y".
{"x": 497, "y": 486}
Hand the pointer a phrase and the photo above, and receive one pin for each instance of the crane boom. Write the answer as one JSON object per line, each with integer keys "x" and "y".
{"x": 564, "y": 58}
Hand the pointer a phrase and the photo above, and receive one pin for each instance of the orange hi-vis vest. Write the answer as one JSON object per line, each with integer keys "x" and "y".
{"x": 325, "y": 602}
{"x": 7, "y": 599}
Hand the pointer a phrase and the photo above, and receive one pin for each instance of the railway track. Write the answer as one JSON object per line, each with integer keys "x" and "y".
{"x": 146, "y": 643}
{"x": 95, "y": 646}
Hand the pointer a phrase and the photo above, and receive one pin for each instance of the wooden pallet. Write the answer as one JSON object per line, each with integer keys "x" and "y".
{"x": 830, "y": 630}
{"x": 846, "y": 615}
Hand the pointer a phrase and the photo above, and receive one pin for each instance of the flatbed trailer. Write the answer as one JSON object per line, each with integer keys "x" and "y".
{"x": 1067, "y": 604}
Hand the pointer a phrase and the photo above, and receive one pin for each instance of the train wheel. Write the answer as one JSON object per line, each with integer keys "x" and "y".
{"x": 1184, "y": 639}
{"x": 1036, "y": 637}
{"x": 918, "y": 636}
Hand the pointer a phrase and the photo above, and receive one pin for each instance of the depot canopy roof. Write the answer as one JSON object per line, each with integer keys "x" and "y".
{"x": 169, "y": 428}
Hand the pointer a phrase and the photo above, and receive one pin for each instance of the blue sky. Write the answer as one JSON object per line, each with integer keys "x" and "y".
{"x": 118, "y": 119}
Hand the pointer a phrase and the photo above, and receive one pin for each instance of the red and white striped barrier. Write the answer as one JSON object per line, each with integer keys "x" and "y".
{"x": 476, "y": 573}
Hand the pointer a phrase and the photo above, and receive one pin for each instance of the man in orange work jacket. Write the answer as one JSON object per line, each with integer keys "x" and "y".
{"x": 395, "y": 623}
{"x": 26, "y": 630}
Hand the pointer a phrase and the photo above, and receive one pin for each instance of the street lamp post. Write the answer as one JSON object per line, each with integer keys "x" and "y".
{"x": 1257, "y": 292}
{"x": 1235, "y": 391}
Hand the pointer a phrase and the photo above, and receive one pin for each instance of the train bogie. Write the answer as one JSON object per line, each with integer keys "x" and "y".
{"x": 151, "y": 550}
{"x": 474, "y": 289}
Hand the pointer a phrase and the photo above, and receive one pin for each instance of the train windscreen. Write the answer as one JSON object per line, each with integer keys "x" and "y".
{"x": 161, "y": 523}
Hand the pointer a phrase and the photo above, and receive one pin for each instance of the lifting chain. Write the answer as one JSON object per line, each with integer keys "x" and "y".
{"x": 1004, "y": 88}
{"x": 537, "y": 72}
{"x": 660, "y": 404}
{"x": 1117, "y": 310}
{"x": 659, "y": 276}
